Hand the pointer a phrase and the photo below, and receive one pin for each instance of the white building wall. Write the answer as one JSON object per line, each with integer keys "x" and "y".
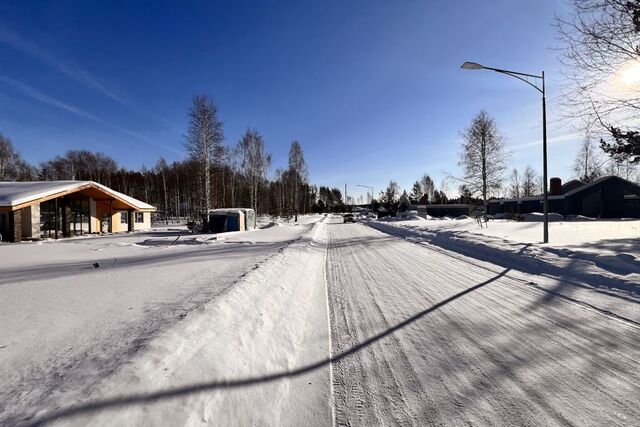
{"x": 146, "y": 224}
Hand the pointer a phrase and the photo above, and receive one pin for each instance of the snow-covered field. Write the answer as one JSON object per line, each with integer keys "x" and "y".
{"x": 319, "y": 323}
{"x": 598, "y": 236}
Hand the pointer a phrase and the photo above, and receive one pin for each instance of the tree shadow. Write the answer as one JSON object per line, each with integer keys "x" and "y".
{"x": 531, "y": 364}
{"x": 523, "y": 261}
{"x": 67, "y": 269}
{"x": 135, "y": 399}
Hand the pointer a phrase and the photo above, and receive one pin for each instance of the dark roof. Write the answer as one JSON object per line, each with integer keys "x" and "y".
{"x": 571, "y": 185}
{"x": 578, "y": 186}
{"x": 630, "y": 186}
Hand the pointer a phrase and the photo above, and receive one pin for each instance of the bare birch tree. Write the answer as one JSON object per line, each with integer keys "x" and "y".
{"x": 8, "y": 158}
{"x": 601, "y": 41}
{"x": 483, "y": 157}
{"x": 255, "y": 163}
{"x": 515, "y": 189}
{"x": 203, "y": 141}
{"x": 589, "y": 162}
{"x": 530, "y": 182}
{"x": 428, "y": 187}
{"x": 298, "y": 171}
{"x": 161, "y": 169}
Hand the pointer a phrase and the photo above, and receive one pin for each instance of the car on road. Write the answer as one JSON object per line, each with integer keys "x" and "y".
{"x": 348, "y": 218}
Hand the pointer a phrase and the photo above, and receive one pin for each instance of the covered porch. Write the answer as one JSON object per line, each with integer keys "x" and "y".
{"x": 66, "y": 210}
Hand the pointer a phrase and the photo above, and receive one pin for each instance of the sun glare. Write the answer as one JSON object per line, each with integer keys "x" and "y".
{"x": 629, "y": 74}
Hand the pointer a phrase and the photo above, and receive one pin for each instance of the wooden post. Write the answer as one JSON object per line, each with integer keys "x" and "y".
{"x": 131, "y": 220}
{"x": 55, "y": 218}
{"x": 15, "y": 226}
{"x": 66, "y": 218}
{"x": 110, "y": 216}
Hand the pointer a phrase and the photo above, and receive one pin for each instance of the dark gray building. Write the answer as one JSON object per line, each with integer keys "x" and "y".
{"x": 439, "y": 210}
{"x": 606, "y": 197}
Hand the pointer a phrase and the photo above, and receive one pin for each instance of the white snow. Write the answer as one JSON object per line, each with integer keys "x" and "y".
{"x": 243, "y": 334}
{"x": 611, "y": 236}
{"x": 459, "y": 340}
{"x": 435, "y": 322}
{"x": 70, "y": 324}
{"x": 593, "y": 258}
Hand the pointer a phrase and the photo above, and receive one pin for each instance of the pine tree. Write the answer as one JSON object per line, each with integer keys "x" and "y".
{"x": 416, "y": 192}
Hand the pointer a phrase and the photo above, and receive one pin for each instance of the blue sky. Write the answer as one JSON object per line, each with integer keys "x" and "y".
{"x": 371, "y": 89}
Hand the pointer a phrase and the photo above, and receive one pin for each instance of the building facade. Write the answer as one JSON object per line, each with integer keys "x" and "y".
{"x": 55, "y": 209}
{"x": 606, "y": 197}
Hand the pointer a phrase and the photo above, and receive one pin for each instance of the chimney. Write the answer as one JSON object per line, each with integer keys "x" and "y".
{"x": 556, "y": 187}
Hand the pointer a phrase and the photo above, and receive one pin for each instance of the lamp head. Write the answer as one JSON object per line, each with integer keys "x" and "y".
{"x": 471, "y": 66}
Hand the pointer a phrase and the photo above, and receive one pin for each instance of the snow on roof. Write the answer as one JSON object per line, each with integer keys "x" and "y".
{"x": 525, "y": 199}
{"x": 17, "y": 193}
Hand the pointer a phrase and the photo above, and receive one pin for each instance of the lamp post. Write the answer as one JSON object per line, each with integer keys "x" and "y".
{"x": 523, "y": 77}
{"x": 368, "y": 186}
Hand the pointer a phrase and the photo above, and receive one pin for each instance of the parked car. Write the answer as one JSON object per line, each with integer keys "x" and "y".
{"x": 348, "y": 218}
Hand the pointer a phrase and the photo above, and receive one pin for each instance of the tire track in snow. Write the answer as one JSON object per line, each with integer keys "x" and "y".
{"x": 529, "y": 283}
{"x": 490, "y": 357}
{"x": 326, "y": 290}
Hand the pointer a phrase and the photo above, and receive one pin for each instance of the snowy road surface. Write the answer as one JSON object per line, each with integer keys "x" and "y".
{"x": 65, "y": 325}
{"x": 503, "y": 353}
{"x": 236, "y": 332}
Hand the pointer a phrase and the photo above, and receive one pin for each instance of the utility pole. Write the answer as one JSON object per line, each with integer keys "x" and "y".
{"x": 345, "y": 194}
{"x": 368, "y": 187}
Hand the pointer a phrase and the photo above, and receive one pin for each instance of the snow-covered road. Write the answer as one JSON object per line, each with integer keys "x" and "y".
{"x": 464, "y": 342}
{"x": 235, "y": 331}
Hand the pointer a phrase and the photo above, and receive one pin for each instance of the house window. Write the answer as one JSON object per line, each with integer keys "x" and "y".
{"x": 139, "y": 217}
{"x": 124, "y": 217}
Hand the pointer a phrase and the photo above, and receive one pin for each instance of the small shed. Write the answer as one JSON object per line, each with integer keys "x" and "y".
{"x": 224, "y": 220}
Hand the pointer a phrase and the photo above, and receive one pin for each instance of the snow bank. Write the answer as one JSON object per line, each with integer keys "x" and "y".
{"x": 270, "y": 322}
{"x": 578, "y": 218}
{"x": 539, "y": 217}
{"x": 269, "y": 225}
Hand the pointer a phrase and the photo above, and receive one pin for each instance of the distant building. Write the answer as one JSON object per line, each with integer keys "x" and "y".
{"x": 606, "y": 197}
{"x": 450, "y": 209}
{"x": 54, "y": 209}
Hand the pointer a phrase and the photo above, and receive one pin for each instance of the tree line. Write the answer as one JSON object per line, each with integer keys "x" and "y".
{"x": 484, "y": 158}
{"x": 483, "y": 163}
{"x": 214, "y": 174}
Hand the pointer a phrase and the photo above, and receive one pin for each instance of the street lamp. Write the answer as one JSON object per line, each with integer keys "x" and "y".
{"x": 368, "y": 186}
{"x": 523, "y": 76}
